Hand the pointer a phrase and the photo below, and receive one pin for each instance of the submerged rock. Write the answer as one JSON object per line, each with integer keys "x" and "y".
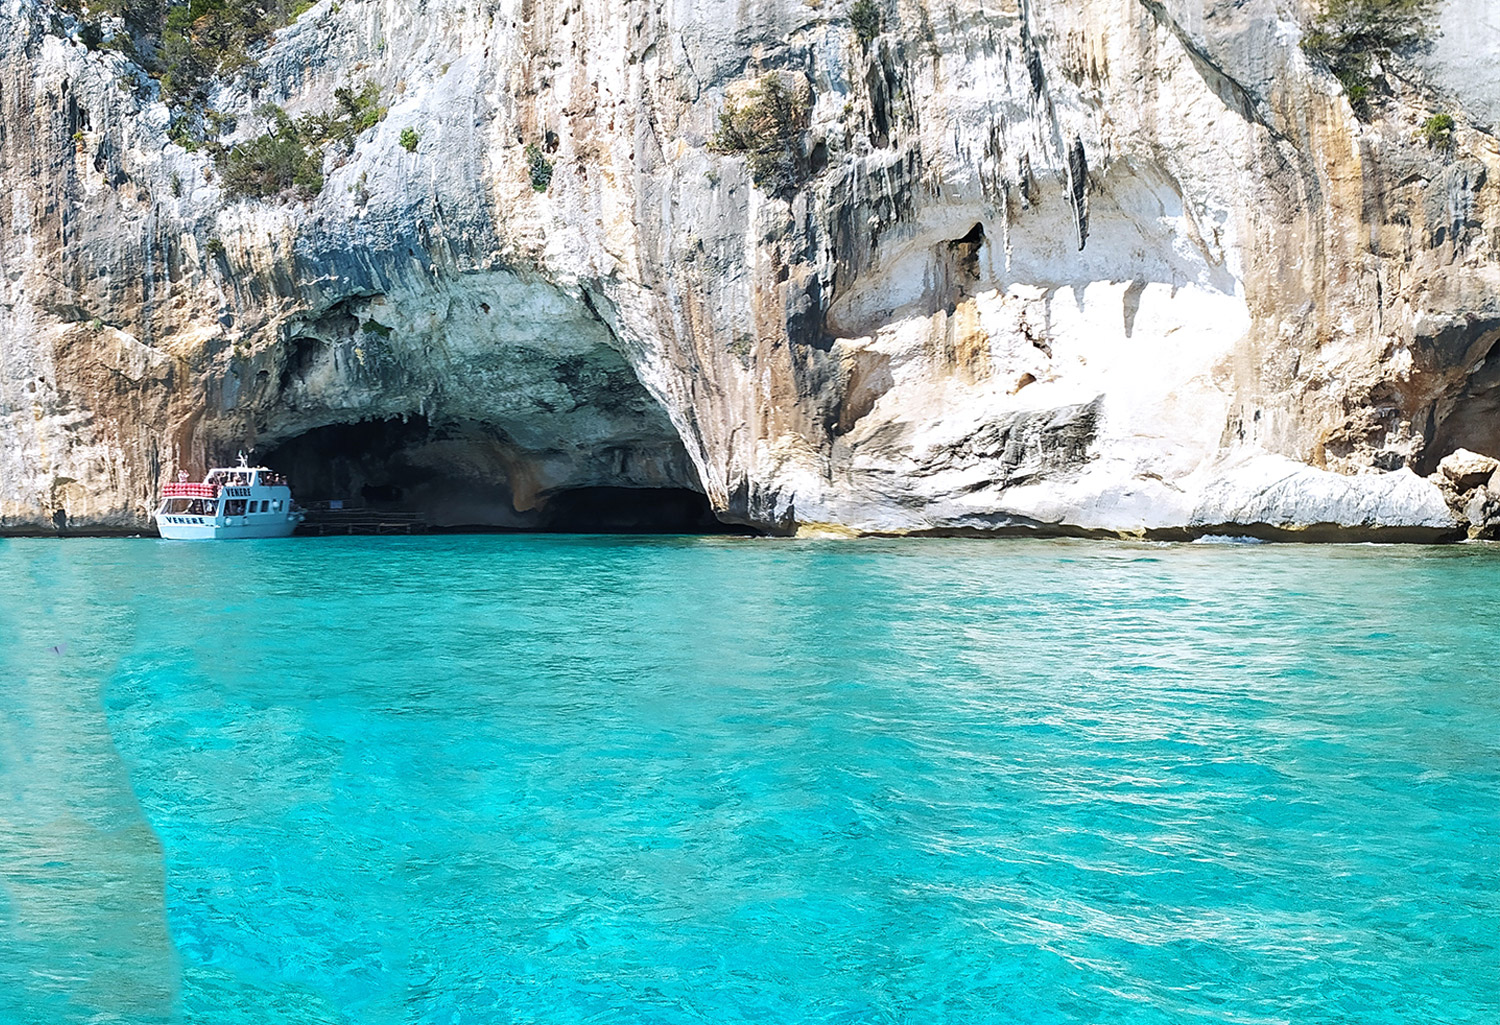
{"x": 1120, "y": 268}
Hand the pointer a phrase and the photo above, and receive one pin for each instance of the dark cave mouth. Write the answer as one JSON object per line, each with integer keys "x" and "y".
{"x": 615, "y": 510}
{"x": 454, "y": 477}
{"x": 1469, "y": 417}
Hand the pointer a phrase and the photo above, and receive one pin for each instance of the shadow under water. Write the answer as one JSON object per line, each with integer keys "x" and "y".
{"x": 83, "y": 922}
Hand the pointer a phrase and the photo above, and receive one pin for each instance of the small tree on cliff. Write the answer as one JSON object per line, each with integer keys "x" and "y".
{"x": 271, "y": 164}
{"x": 1351, "y": 35}
{"x": 187, "y": 43}
{"x": 767, "y": 128}
{"x": 864, "y": 18}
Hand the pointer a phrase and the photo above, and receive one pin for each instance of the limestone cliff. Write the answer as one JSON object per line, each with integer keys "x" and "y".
{"x": 1118, "y": 266}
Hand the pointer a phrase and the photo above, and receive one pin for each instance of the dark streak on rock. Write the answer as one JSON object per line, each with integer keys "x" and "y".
{"x": 1025, "y": 444}
{"x": 1078, "y": 199}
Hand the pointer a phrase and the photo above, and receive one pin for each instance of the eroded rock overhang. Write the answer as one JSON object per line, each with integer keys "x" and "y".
{"x": 472, "y": 401}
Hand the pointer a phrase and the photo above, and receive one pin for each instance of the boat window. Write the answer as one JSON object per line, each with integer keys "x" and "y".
{"x": 276, "y": 505}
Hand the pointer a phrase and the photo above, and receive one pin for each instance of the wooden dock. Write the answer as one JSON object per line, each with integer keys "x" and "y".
{"x": 324, "y": 522}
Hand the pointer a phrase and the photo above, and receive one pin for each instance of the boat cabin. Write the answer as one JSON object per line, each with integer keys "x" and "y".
{"x": 234, "y": 501}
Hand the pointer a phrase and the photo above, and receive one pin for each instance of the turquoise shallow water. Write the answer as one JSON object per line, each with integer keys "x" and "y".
{"x": 555, "y": 780}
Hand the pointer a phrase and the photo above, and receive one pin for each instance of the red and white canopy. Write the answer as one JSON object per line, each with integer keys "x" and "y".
{"x": 182, "y": 489}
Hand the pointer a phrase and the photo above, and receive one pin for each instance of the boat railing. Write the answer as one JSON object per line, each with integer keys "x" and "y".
{"x": 185, "y": 489}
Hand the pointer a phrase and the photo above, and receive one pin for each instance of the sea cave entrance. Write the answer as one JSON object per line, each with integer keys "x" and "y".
{"x": 1469, "y": 416}
{"x": 612, "y": 510}
{"x": 461, "y": 477}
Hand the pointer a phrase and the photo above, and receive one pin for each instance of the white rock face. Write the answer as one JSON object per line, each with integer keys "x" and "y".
{"x": 1464, "y": 60}
{"x": 1467, "y": 469}
{"x": 1130, "y": 267}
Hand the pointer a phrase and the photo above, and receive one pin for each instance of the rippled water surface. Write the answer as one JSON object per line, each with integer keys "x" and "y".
{"x": 555, "y": 780}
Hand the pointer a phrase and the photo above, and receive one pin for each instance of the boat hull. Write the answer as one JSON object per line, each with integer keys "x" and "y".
{"x": 199, "y": 528}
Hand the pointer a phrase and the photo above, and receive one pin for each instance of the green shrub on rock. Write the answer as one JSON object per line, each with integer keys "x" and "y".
{"x": 540, "y": 168}
{"x": 359, "y": 111}
{"x": 204, "y": 39}
{"x": 353, "y": 114}
{"x": 767, "y": 130}
{"x": 271, "y": 164}
{"x": 187, "y": 43}
{"x": 409, "y": 140}
{"x": 1351, "y": 35}
{"x": 864, "y": 18}
{"x": 288, "y": 159}
{"x": 1438, "y": 130}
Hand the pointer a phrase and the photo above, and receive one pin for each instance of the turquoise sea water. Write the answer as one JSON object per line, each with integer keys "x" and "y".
{"x": 557, "y": 780}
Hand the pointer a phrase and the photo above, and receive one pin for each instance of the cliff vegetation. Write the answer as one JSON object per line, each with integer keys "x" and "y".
{"x": 766, "y": 128}
{"x": 1352, "y": 36}
{"x": 185, "y": 45}
{"x": 289, "y": 157}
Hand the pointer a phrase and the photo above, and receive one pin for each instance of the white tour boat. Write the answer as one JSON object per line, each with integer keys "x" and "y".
{"x": 231, "y": 502}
